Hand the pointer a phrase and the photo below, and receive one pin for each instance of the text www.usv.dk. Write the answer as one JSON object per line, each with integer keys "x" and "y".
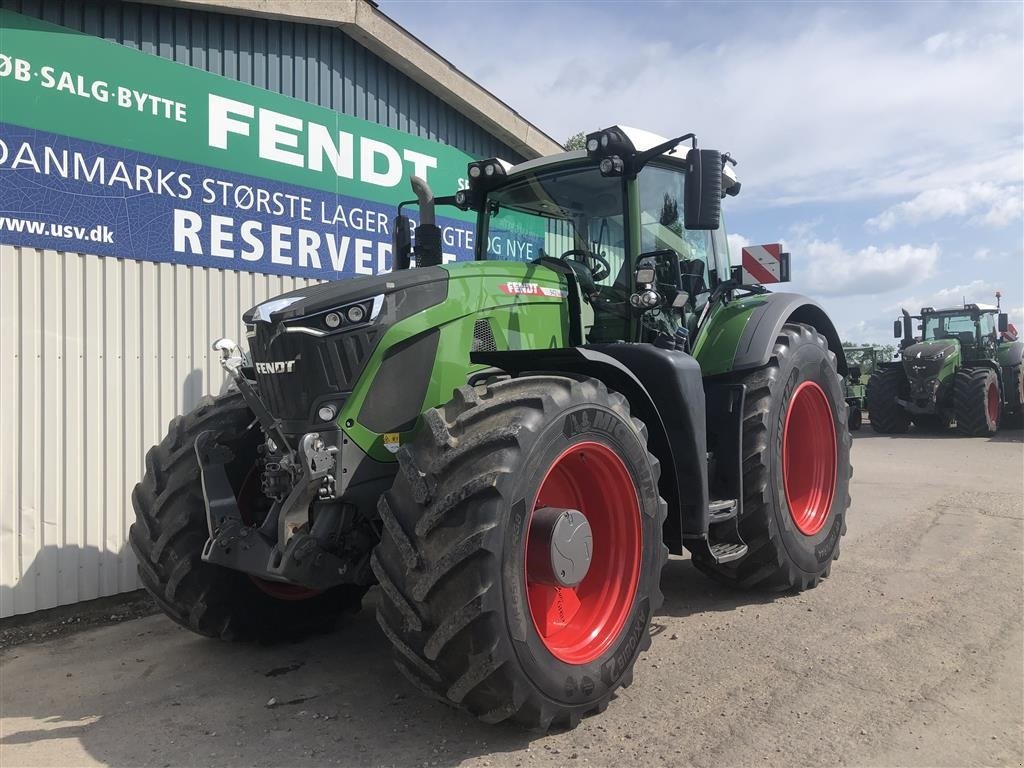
{"x": 101, "y": 233}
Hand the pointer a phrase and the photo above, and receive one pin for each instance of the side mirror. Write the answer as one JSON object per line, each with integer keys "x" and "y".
{"x": 897, "y": 329}
{"x": 702, "y": 200}
{"x": 401, "y": 242}
{"x": 1004, "y": 322}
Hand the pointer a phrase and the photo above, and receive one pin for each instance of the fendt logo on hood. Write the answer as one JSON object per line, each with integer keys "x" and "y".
{"x": 279, "y": 366}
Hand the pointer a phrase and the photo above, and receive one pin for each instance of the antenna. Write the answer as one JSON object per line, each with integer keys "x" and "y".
{"x": 998, "y": 297}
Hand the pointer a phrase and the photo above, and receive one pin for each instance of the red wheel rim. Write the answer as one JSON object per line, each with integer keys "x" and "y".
{"x": 246, "y": 505}
{"x": 992, "y": 396}
{"x": 578, "y": 624}
{"x": 809, "y": 458}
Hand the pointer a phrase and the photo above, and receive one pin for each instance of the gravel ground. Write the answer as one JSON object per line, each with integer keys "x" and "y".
{"x": 910, "y": 654}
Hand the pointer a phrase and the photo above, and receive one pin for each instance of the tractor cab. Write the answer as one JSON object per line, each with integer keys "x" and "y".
{"x": 972, "y": 324}
{"x": 634, "y": 220}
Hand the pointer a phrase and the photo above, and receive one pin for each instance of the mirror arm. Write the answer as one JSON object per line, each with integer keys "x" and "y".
{"x": 643, "y": 158}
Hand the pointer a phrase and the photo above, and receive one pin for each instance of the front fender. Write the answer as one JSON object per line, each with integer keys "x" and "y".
{"x": 665, "y": 391}
{"x": 741, "y": 335}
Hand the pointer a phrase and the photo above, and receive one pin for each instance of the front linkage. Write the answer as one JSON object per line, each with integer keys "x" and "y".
{"x": 280, "y": 548}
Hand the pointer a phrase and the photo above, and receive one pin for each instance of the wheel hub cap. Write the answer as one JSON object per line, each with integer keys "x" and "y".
{"x": 561, "y": 546}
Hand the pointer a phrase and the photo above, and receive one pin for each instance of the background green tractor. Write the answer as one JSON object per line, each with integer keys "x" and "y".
{"x": 861, "y": 363}
{"x": 510, "y": 447}
{"x": 964, "y": 368}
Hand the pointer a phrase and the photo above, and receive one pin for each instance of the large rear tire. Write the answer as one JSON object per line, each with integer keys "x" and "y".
{"x": 472, "y": 618}
{"x": 887, "y": 416}
{"x": 1013, "y": 394}
{"x": 796, "y": 468}
{"x": 170, "y": 530}
{"x": 976, "y": 401}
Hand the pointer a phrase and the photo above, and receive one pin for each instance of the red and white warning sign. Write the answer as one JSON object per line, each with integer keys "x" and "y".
{"x": 763, "y": 264}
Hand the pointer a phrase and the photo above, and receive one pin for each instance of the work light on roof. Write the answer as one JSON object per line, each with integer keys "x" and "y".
{"x": 608, "y": 142}
{"x": 487, "y": 170}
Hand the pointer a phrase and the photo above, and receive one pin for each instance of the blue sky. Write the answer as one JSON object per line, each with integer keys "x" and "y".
{"x": 883, "y": 143}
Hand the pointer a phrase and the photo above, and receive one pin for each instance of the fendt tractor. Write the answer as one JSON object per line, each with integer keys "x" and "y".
{"x": 510, "y": 448}
{"x": 965, "y": 368}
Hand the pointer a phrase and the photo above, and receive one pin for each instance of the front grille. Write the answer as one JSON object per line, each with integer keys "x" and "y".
{"x": 924, "y": 367}
{"x": 325, "y": 368}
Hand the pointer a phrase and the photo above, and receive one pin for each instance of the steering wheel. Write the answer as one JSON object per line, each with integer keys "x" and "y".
{"x": 603, "y": 267}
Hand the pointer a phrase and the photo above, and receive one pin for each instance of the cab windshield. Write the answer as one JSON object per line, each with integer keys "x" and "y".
{"x": 564, "y": 213}
{"x": 573, "y": 212}
{"x": 965, "y": 327}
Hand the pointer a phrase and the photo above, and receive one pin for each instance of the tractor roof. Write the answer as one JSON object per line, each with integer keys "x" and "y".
{"x": 642, "y": 140}
{"x": 966, "y": 308}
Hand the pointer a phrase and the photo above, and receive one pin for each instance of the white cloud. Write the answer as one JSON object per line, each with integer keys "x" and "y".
{"x": 818, "y": 103}
{"x": 1002, "y": 212}
{"x": 736, "y": 244}
{"x": 826, "y": 268}
{"x": 974, "y": 292}
{"x": 989, "y": 204}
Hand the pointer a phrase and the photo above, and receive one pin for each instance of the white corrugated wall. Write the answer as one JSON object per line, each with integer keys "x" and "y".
{"x": 97, "y": 354}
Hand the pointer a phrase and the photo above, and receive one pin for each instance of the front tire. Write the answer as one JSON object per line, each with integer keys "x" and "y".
{"x": 887, "y": 416}
{"x": 170, "y": 530}
{"x": 796, "y": 468}
{"x": 976, "y": 401}
{"x": 472, "y": 619}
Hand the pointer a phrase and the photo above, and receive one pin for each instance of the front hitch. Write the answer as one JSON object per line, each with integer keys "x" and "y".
{"x": 279, "y": 549}
{"x": 297, "y": 557}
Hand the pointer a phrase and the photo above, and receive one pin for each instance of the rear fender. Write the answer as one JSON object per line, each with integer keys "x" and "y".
{"x": 753, "y": 327}
{"x": 664, "y": 390}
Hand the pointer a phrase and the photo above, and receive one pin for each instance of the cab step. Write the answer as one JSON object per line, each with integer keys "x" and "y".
{"x": 726, "y": 552}
{"x": 723, "y": 543}
{"x": 721, "y": 510}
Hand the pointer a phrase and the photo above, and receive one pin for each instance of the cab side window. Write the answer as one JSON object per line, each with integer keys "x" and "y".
{"x": 661, "y": 221}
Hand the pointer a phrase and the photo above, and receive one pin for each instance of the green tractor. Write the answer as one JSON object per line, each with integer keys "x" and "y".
{"x": 965, "y": 368}
{"x": 510, "y": 447}
{"x": 861, "y": 363}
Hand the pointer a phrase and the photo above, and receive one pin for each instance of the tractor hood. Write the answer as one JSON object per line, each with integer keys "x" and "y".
{"x": 316, "y": 300}
{"x": 939, "y": 349}
{"x": 309, "y": 346}
{"x": 930, "y": 359}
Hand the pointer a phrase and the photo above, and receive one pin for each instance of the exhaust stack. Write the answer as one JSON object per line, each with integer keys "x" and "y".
{"x": 428, "y": 234}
